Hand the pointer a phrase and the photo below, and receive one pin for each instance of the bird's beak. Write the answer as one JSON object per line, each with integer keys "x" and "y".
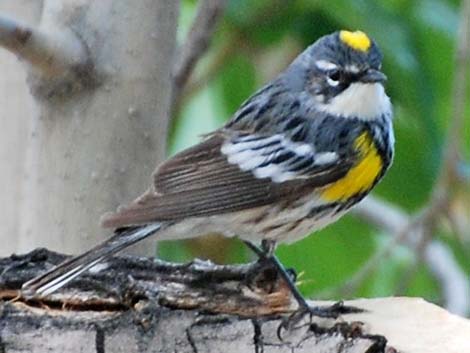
{"x": 372, "y": 76}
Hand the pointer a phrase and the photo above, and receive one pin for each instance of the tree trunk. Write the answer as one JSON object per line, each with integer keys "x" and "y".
{"x": 100, "y": 76}
{"x": 16, "y": 111}
{"x": 153, "y": 306}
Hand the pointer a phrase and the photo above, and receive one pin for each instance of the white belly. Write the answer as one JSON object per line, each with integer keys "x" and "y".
{"x": 286, "y": 226}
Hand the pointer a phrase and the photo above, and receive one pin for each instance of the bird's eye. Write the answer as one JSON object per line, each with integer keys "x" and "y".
{"x": 333, "y": 77}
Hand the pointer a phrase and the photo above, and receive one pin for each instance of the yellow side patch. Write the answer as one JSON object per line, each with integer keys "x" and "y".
{"x": 357, "y": 40}
{"x": 361, "y": 177}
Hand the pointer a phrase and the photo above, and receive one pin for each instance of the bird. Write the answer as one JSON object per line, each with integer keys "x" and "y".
{"x": 295, "y": 157}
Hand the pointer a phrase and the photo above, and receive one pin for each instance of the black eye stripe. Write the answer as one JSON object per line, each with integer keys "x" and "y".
{"x": 339, "y": 74}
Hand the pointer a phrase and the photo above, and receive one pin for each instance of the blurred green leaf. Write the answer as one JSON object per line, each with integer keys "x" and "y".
{"x": 200, "y": 116}
{"x": 330, "y": 256}
{"x": 237, "y": 82}
{"x": 262, "y": 22}
{"x": 173, "y": 251}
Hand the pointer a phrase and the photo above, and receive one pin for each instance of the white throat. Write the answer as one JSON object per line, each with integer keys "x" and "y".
{"x": 367, "y": 101}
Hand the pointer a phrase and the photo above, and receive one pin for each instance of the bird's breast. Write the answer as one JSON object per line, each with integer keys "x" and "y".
{"x": 362, "y": 176}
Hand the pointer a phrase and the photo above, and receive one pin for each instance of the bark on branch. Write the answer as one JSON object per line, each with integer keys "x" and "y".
{"x": 144, "y": 305}
{"x": 51, "y": 53}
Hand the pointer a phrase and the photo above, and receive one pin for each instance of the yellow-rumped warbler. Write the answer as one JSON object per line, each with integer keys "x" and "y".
{"x": 295, "y": 157}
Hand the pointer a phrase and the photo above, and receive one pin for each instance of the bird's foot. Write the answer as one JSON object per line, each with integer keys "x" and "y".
{"x": 331, "y": 312}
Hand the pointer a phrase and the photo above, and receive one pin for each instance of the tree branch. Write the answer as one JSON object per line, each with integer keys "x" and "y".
{"x": 225, "y": 51}
{"x": 196, "y": 44}
{"x": 440, "y": 260}
{"x": 131, "y": 302}
{"x": 134, "y": 304}
{"x": 52, "y": 53}
{"x": 448, "y": 173}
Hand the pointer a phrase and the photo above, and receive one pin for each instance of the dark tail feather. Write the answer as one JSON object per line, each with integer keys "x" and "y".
{"x": 62, "y": 274}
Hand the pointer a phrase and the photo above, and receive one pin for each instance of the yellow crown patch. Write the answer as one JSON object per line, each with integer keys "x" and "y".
{"x": 357, "y": 40}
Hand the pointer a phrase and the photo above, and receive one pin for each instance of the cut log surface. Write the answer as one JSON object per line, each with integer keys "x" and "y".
{"x": 135, "y": 304}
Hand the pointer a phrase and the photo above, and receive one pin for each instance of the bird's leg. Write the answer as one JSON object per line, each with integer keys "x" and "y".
{"x": 268, "y": 247}
{"x": 266, "y": 252}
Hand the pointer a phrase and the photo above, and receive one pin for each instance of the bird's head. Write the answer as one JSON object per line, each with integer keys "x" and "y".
{"x": 342, "y": 73}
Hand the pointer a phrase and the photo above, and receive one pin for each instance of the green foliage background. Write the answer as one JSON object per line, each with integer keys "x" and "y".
{"x": 254, "y": 41}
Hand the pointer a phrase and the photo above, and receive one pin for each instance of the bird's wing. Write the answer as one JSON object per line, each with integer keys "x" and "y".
{"x": 230, "y": 172}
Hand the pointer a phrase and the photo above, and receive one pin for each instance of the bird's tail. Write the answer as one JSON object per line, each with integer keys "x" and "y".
{"x": 59, "y": 276}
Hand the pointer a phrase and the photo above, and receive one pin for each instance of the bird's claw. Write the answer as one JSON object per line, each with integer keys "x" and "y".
{"x": 330, "y": 312}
